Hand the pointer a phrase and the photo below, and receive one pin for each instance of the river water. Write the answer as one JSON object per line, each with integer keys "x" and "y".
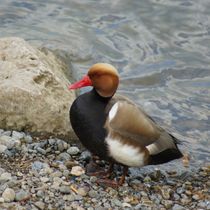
{"x": 160, "y": 47}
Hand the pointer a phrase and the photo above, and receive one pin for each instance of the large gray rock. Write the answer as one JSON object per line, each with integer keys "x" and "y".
{"x": 33, "y": 90}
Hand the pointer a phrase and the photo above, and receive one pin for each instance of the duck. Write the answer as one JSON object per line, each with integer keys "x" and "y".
{"x": 114, "y": 128}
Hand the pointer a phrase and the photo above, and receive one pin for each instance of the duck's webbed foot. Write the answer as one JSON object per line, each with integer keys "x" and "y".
{"x": 113, "y": 183}
{"x": 93, "y": 169}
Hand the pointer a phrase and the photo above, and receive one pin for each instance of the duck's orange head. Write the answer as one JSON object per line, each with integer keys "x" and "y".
{"x": 103, "y": 77}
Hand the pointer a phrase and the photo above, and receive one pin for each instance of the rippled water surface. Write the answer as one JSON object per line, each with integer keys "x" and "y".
{"x": 161, "y": 48}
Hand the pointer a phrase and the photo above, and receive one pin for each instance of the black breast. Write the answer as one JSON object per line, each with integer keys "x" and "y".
{"x": 87, "y": 116}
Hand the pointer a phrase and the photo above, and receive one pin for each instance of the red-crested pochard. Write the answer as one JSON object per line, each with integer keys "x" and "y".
{"x": 114, "y": 128}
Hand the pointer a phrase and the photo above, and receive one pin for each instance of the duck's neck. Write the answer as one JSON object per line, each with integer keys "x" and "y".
{"x": 99, "y": 97}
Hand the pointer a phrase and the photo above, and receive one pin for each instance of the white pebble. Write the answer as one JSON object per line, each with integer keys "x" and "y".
{"x": 8, "y": 195}
{"x": 77, "y": 171}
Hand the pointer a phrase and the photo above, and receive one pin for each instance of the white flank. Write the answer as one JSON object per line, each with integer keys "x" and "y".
{"x": 124, "y": 153}
{"x": 113, "y": 111}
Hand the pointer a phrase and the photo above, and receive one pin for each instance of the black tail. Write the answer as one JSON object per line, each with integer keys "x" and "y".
{"x": 167, "y": 155}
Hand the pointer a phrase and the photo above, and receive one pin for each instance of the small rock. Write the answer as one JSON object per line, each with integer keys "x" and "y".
{"x": 5, "y": 176}
{"x": 65, "y": 189}
{"x": 8, "y": 195}
{"x": 18, "y": 135}
{"x": 41, "y": 151}
{"x": 167, "y": 203}
{"x": 147, "y": 179}
{"x": 56, "y": 174}
{"x": 126, "y": 205}
{"x": 28, "y": 139}
{"x": 64, "y": 156}
{"x": 77, "y": 171}
{"x": 178, "y": 207}
{"x": 202, "y": 204}
{"x": 196, "y": 197}
{"x": 40, "y": 193}
{"x": 40, "y": 205}
{"x": 61, "y": 146}
{"x": 21, "y": 195}
{"x": 8, "y": 141}
{"x": 85, "y": 155}
{"x": 166, "y": 192}
{"x": 37, "y": 165}
{"x": 73, "y": 150}
{"x": 44, "y": 179}
{"x": 180, "y": 190}
{"x": 51, "y": 141}
{"x": 1, "y": 200}
{"x": 116, "y": 202}
{"x": 83, "y": 191}
{"x": 7, "y": 133}
{"x": 3, "y": 148}
{"x": 93, "y": 194}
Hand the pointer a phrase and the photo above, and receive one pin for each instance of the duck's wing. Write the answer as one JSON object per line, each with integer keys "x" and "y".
{"x": 131, "y": 122}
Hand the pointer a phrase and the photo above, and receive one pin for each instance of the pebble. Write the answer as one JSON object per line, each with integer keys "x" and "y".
{"x": 7, "y": 141}
{"x": 83, "y": 191}
{"x": 85, "y": 155}
{"x": 41, "y": 151}
{"x": 64, "y": 156}
{"x": 5, "y": 176}
{"x": 93, "y": 194}
{"x": 3, "y": 148}
{"x": 178, "y": 207}
{"x": 18, "y": 135}
{"x": 8, "y": 195}
{"x": 65, "y": 189}
{"x": 73, "y": 150}
{"x": 21, "y": 195}
{"x": 40, "y": 205}
{"x": 77, "y": 171}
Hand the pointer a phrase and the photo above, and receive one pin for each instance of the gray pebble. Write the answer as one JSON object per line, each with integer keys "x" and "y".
{"x": 180, "y": 190}
{"x": 5, "y": 177}
{"x": 8, "y": 141}
{"x": 40, "y": 193}
{"x": 56, "y": 174}
{"x": 28, "y": 139}
{"x": 37, "y": 165}
{"x": 21, "y": 195}
{"x": 93, "y": 194}
{"x": 178, "y": 207}
{"x": 51, "y": 141}
{"x": 65, "y": 189}
{"x": 63, "y": 156}
{"x": 202, "y": 204}
{"x": 41, "y": 151}
{"x": 61, "y": 146}
{"x": 73, "y": 150}
{"x": 7, "y": 133}
{"x": 85, "y": 156}
{"x": 18, "y": 135}
{"x": 40, "y": 205}
{"x": 3, "y": 148}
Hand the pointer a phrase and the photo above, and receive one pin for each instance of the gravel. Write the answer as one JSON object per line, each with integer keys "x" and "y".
{"x": 49, "y": 174}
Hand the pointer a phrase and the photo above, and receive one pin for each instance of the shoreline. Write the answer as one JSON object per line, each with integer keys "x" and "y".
{"x": 38, "y": 175}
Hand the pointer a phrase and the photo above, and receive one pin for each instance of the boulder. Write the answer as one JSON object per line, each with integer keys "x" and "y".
{"x": 33, "y": 90}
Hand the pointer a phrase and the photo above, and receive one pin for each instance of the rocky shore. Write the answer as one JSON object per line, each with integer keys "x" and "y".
{"x": 49, "y": 174}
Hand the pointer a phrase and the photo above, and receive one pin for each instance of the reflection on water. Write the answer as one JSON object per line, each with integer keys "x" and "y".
{"x": 161, "y": 48}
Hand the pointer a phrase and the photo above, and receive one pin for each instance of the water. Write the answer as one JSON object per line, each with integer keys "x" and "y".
{"x": 161, "y": 48}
